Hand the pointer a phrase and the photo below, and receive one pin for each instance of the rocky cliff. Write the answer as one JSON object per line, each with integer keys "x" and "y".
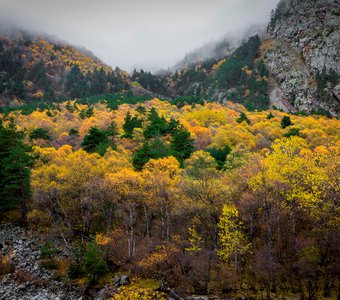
{"x": 303, "y": 55}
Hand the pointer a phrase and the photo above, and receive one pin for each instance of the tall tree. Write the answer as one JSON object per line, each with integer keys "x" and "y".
{"x": 182, "y": 144}
{"x": 15, "y": 172}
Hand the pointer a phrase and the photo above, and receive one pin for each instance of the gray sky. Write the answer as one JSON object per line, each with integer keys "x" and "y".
{"x": 151, "y": 34}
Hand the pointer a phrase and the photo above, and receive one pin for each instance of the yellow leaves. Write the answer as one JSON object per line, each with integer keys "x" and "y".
{"x": 233, "y": 135}
{"x": 322, "y": 150}
{"x": 195, "y": 241}
{"x": 160, "y": 256}
{"x": 102, "y": 239}
{"x": 306, "y": 175}
{"x": 207, "y": 117}
{"x": 39, "y": 94}
{"x": 127, "y": 184}
{"x": 65, "y": 56}
{"x": 66, "y": 173}
{"x": 117, "y": 161}
{"x": 134, "y": 293}
{"x": 231, "y": 239}
{"x": 217, "y": 66}
{"x": 168, "y": 166}
{"x": 201, "y": 164}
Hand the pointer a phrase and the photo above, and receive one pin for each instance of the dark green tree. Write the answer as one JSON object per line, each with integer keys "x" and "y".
{"x": 182, "y": 145}
{"x": 130, "y": 124}
{"x": 112, "y": 130}
{"x": 156, "y": 149}
{"x": 141, "y": 109}
{"x": 243, "y": 117}
{"x": 285, "y": 122}
{"x": 95, "y": 141}
{"x": 219, "y": 155}
{"x": 172, "y": 126}
{"x": 94, "y": 264}
{"x": 270, "y": 116}
{"x": 15, "y": 170}
{"x": 262, "y": 69}
{"x": 40, "y": 133}
{"x": 76, "y": 83}
{"x": 157, "y": 126}
{"x": 292, "y": 132}
{"x": 73, "y": 132}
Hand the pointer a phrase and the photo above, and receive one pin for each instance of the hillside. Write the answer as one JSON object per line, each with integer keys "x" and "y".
{"x": 294, "y": 68}
{"x": 240, "y": 76}
{"x": 219, "y": 49}
{"x": 37, "y": 68}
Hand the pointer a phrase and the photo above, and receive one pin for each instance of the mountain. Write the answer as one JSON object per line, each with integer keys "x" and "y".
{"x": 295, "y": 67}
{"x": 35, "y": 67}
{"x": 240, "y": 76}
{"x": 218, "y": 49}
{"x": 302, "y": 55}
{"x": 212, "y": 50}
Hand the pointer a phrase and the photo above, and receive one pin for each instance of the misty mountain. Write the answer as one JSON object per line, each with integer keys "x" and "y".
{"x": 44, "y": 68}
{"x": 298, "y": 58}
{"x": 295, "y": 67}
{"x": 218, "y": 49}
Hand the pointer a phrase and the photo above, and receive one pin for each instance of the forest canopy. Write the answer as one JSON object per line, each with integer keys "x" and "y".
{"x": 208, "y": 198}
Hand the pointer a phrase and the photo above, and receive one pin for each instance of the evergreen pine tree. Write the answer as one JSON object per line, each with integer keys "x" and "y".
{"x": 15, "y": 172}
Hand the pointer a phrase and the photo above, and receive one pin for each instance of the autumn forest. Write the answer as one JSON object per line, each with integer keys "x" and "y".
{"x": 204, "y": 198}
{"x": 217, "y": 180}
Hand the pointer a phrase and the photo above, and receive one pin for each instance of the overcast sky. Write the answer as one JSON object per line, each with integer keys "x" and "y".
{"x": 151, "y": 34}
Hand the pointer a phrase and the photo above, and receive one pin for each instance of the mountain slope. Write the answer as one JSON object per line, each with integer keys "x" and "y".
{"x": 299, "y": 62}
{"x": 39, "y": 68}
{"x": 240, "y": 77}
{"x": 219, "y": 49}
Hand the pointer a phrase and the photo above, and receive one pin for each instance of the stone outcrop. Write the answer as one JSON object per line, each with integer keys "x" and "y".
{"x": 305, "y": 40}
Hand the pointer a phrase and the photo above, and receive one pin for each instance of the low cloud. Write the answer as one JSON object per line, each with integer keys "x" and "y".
{"x": 148, "y": 34}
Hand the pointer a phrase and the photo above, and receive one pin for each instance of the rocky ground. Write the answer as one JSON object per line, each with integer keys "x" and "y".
{"x": 26, "y": 279}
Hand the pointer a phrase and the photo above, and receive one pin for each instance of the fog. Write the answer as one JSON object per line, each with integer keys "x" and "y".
{"x": 148, "y": 34}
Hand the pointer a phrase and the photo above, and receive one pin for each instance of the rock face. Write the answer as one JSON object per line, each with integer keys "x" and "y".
{"x": 305, "y": 40}
{"x": 27, "y": 280}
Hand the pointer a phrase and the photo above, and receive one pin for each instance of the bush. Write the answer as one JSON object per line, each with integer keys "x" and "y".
{"x": 243, "y": 117}
{"x": 5, "y": 265}
{"x": 135, "y": 293}
{"x": 47, "y": 250}
{"x": 292, "y": 132}
{"x": 87, "y": 261}
{"x": 50, "y": 264}
{"x": 94, "y": 265}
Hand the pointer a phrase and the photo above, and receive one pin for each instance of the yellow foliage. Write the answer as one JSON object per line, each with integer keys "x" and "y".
{"x": 102, "y": 240}
{"x": 231, "y": 239}
{"x": 195, "y": 240}
{"x": 134, "y": 293}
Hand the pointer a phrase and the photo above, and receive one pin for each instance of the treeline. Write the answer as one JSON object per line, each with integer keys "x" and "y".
{"x": 247, "y": 204}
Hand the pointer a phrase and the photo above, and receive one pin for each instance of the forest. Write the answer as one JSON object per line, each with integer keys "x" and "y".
{"x": 188, "y": 196}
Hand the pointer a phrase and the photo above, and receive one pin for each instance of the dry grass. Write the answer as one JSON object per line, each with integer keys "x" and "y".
{"x": 5, "y": 265}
